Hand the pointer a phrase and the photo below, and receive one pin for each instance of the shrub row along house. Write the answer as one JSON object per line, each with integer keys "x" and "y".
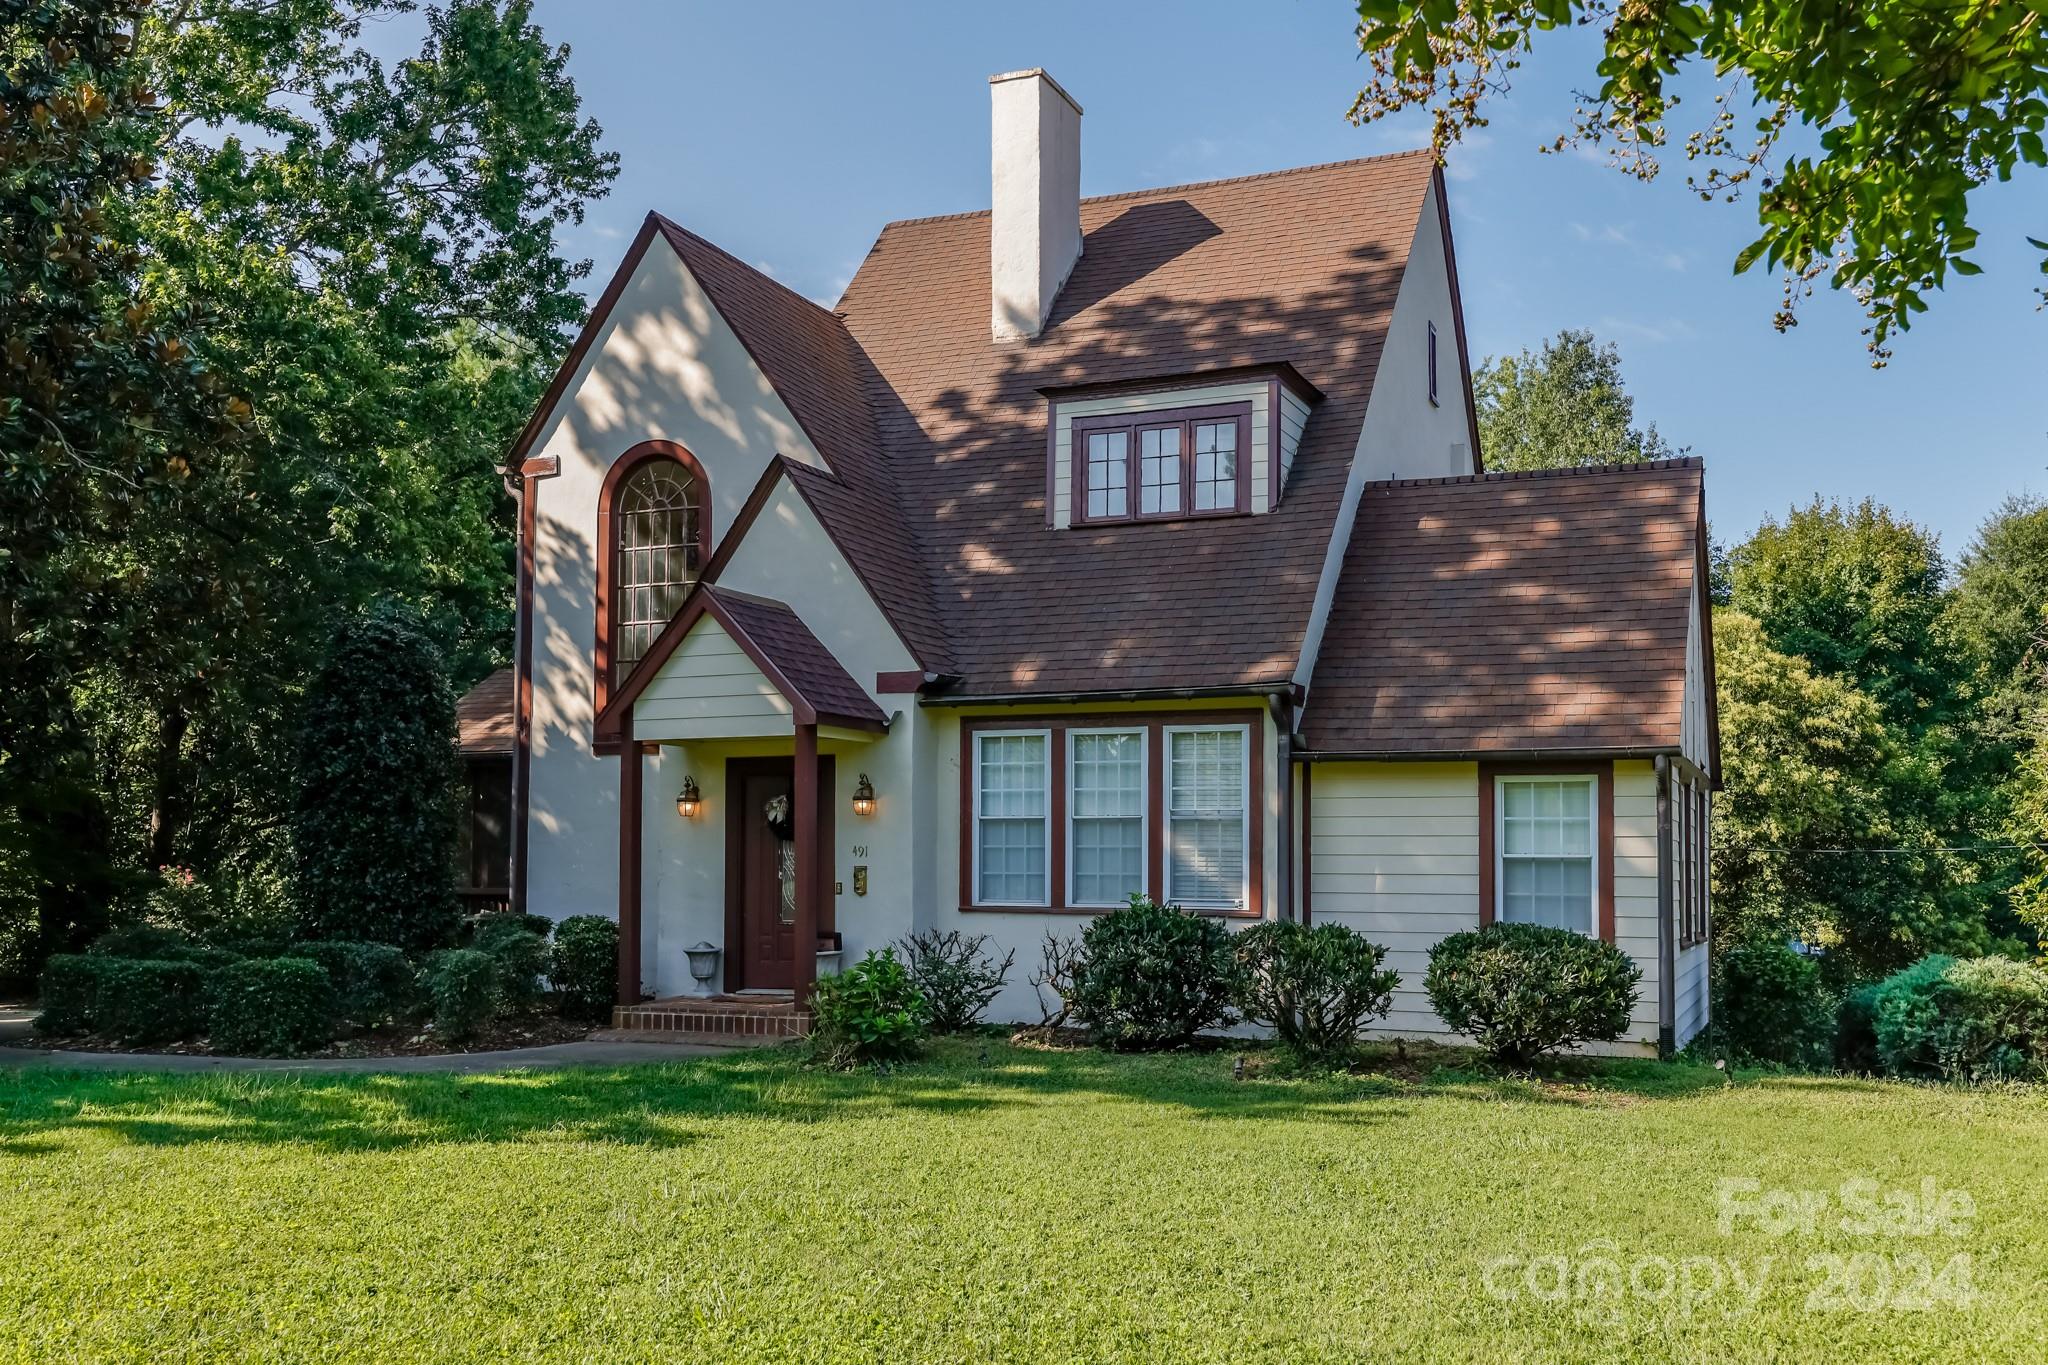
{"x": 1091, "y": 547}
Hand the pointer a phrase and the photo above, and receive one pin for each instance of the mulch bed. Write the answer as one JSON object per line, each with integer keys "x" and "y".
{"x": 529, "y": 1029}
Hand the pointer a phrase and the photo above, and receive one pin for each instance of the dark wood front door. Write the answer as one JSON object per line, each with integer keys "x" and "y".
{"x": 760, "y": 872}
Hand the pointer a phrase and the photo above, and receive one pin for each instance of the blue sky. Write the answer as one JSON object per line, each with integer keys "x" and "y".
{"x": 788, "y": 133}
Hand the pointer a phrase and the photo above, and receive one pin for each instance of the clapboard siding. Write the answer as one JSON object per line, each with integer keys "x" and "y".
{"x": 709, "y": 688}
{"x": 1396, "y": 857}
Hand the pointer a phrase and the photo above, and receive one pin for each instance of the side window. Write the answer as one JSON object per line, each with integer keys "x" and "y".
{"x": 1544, "y": 846}
{"x": 1432, "y": 364}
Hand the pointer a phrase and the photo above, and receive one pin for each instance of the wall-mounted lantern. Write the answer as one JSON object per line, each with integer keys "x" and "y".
{"x": 864, "y": 797}
{"x": 687, "y": 801}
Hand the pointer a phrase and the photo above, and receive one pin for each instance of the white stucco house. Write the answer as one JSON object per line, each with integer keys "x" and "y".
{"x": 1090, "y": 546}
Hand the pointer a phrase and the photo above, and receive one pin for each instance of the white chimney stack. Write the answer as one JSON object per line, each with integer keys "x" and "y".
{"x": 1035, "y": 237}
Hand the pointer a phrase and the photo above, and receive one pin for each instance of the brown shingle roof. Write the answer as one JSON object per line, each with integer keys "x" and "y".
{"x": 483, "y": 718}
{"x": 1296, "y": 266}
{"x": 780, "y": 635}
{"x": 1512, "y": 612}
{"x": 821, "y": 374}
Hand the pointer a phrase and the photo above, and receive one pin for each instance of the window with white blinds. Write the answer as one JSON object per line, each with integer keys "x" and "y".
{"x": 1207, "y": 816}
{"x": 1105, "y": 815}
{"x": 1012, "y": 809}
{"x": 1544, "y": 846}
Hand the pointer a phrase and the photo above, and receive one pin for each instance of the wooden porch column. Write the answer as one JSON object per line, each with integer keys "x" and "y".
{"x": 629, "y": 862}
{"x": 805, "y": 798}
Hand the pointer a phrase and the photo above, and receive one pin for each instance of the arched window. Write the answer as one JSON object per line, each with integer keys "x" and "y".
{"x": 657, "y": 554}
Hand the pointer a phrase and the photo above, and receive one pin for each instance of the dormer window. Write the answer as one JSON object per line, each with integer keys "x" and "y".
{"x": 1151, "y": 466}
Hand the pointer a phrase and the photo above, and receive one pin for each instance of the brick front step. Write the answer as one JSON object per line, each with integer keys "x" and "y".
{"x": 722, "y": 1016}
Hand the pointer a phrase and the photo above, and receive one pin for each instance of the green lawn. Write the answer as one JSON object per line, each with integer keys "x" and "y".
{"x": 999, "y": 1204}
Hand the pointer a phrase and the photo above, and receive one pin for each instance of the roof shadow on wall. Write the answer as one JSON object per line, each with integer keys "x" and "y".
{"x": 1129, "y": 247}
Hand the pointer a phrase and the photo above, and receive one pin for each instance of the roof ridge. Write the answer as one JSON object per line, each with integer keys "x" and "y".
{"x": 669, "y": 224}
{"x": 1566, "y": 472}
{"x": 1185, "y": 185}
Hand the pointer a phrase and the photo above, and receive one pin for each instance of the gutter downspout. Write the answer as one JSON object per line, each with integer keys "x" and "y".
{"x": 1667, "y": 945}
{"x": 528, "y": 476}
{"x": 1281, "y": 705}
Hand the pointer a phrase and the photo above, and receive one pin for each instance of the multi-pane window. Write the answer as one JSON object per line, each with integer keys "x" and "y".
{"x": 1215, "y": 465}
{"x": 1109, "y": 473}
{"x": 1011, "y": 812}
{"x": 1177, "y": 464}
{"x": 1106, "y": 815}
{"x": 1545, "y": 846}
{"x": 1159, "y": 458}
{"x": 656, "y": 524}
{"x": 1206, "y": 809}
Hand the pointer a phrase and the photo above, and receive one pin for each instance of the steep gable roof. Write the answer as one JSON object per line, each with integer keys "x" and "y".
{"x": 1542, "y": 611}
{"x": 781, "y": 646}
{"x": 1300, "y": 267}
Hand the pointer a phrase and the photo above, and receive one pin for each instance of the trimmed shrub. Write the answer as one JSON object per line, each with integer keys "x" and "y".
{"x": 1769, "y": 1004}
{"x": 70, "y": 993}
{"x": 375, "y": 826}
{"x": 270, "y": 1007}
{"x": 1856, "y": 1031}
{"x": 1154, "y": 976}
{"x": 373, "y": 983}
{"x": 1521, "y": 990}
{"x": 956, "y": 975}
{"x": 1963, "y": 1018}
{"x": 871, "y": 1012}
{"x": 465, "y": 990}
{"x": 521, "y": 955}
{"x": 143, "y": 943}
{"x": 1315, "y": 987}
{"x": 479, "y": 925}
{"x": 151, "y": 1002}
{"x": 584, "y": 968}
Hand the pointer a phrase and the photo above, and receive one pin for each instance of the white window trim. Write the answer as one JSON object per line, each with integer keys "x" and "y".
{"x": 1500, "y": 840}
{"x": 1144, "y": 809}
{"x": 1244, "y": 898}
{"x": 974, "y": 829}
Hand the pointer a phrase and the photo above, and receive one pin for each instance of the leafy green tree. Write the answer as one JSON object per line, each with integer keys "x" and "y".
{"x": 1999, "y": 610}
{"x": 374, "y": 822}
{"x": 1857, "y": 592}
{"x": 1559, "y": 407}
{"x": 1817, "y": 834}
{"x": 388, "y": 239}
{"x": 111, "y": 418}
{"x": 1899, "y": 110}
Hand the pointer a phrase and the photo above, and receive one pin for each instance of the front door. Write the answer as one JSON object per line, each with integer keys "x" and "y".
{"x": 766, "y": 870}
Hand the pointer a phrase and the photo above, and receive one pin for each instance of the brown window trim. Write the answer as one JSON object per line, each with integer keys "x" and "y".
{"x": 605, "y": 740}
{"x": 1154, "y": 724}
{"x": 1134, "y": 422}
{"x": 1603, "y": 837}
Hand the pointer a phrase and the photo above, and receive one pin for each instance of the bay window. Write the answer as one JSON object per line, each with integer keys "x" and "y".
{"x": 1546, "y": 835}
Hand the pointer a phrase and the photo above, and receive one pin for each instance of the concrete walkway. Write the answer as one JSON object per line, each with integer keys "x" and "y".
{"x": 591, "y": 1053}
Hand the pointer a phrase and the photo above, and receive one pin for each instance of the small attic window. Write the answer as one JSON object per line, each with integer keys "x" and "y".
{"x": 1160, "y": 465}
{"x": 1432, "y": 365}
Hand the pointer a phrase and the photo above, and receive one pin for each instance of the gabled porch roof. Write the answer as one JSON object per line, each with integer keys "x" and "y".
{"x": 790, "y": 659}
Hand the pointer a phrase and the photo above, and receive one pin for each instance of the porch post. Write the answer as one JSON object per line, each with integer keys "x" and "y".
{"x": 805, "y": 799}
{"x": 629, "y": 863}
